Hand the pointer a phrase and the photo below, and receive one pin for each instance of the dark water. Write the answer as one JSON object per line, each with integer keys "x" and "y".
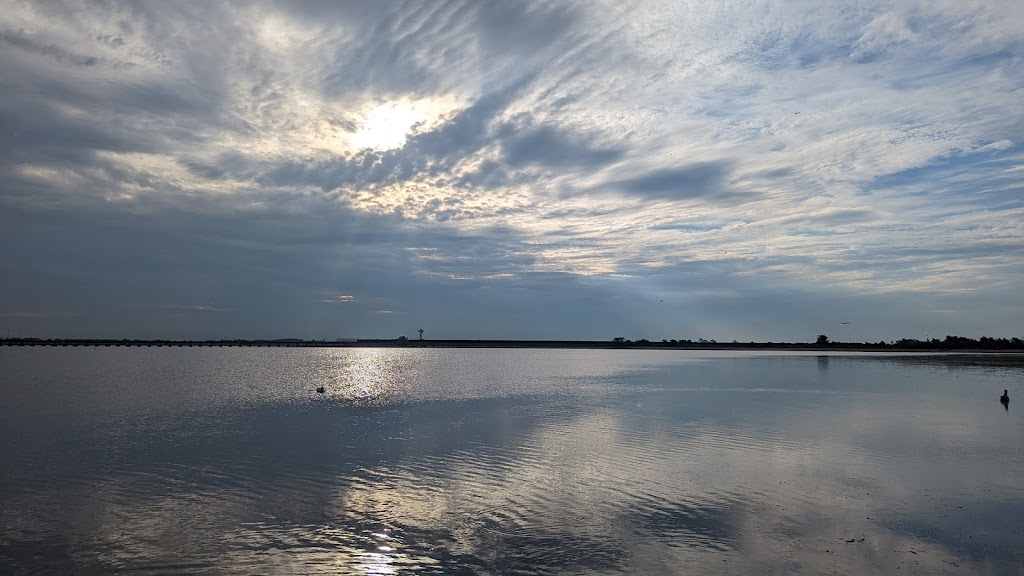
{"x": 434, "y": 461}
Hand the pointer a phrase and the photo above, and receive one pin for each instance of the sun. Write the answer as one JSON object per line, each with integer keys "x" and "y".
{"x": 387, "y": 126}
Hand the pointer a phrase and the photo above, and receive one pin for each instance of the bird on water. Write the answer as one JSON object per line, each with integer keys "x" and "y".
{"x": 1005, "y": 398}
{"x": 320, "y": 390}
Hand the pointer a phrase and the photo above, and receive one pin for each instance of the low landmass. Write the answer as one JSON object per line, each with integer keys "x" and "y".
{"x": 948, "y": 344}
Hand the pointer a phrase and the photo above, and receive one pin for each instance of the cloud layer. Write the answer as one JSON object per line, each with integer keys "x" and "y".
{"x": 536, "y": 169}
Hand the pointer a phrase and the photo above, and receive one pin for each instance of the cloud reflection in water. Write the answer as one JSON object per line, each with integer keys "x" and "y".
{"x": 515, "y": 461}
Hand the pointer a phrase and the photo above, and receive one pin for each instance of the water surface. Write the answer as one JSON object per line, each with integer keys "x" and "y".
{"x": 507, "y": 461}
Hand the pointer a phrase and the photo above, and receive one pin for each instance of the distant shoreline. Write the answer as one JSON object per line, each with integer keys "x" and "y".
{"x": 531, "y": 344}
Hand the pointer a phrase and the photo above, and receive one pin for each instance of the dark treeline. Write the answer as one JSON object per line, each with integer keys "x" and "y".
{"x": 947, "y": 343}
{"x": 961, "y": 343}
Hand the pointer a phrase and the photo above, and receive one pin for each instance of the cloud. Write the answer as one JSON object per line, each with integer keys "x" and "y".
{"x": 869, "y": 149}
{"x": 27, "y": 314}
{"x": 341, "y": 299}
{"x": 193, "y": 307}
{"x": 882, "y": 34}
{"x": 549, "y": 147}
{"x": 57, "y": 53}
{"x": 700, "y": 180}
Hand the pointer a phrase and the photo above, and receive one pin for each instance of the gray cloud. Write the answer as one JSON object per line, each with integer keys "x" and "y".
{"x": 698, "y": 180}
{"x": 37, "y": 131}
{"x": 548, "y": 146}
{"x": 521, "y": 27}
{"x": 56, "y": 52}
{"x": 577, "y": 161}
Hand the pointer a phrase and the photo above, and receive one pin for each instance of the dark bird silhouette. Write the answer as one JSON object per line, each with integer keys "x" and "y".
{"x": 320, "y": 390}
{"x": 1005, "y": 398}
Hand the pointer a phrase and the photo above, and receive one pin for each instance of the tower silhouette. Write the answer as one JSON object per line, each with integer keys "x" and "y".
{"x": 421, "y": 333}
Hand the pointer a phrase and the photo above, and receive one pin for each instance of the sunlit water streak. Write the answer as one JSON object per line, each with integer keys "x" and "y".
{"x": 506, "y": 461}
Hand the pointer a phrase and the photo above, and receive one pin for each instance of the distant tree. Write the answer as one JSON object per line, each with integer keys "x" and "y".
{"x": 643, "y": 341}
{"x": 618, "y": 339}
{"x": 822, "y": 340}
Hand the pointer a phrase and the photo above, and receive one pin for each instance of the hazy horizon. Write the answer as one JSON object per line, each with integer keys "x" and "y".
{"x": 756, "y": 171}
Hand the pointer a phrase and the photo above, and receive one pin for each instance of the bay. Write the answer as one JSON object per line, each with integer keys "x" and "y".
{"x": 507, "y": 461}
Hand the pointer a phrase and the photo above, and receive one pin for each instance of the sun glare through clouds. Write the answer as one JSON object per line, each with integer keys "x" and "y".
{"x": 387, "y": 126}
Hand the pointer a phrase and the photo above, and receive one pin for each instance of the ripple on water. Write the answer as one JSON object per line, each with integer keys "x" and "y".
{"x": 505, "y": 462}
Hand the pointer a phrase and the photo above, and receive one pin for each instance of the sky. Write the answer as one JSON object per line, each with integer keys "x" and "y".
{"x": 729, "y": 170}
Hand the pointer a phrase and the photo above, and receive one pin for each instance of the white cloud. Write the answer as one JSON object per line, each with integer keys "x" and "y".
{"x": 812, "y": 143}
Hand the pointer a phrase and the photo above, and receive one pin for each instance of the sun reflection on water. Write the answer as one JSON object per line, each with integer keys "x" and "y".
{"x": 376, "y": 563}
{"x": 364, "y": 376}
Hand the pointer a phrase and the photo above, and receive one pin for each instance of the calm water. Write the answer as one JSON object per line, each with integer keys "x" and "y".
{"x": 430, "y": 461}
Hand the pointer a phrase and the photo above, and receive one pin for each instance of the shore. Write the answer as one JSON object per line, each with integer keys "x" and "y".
{"x": 534, "y": 344}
